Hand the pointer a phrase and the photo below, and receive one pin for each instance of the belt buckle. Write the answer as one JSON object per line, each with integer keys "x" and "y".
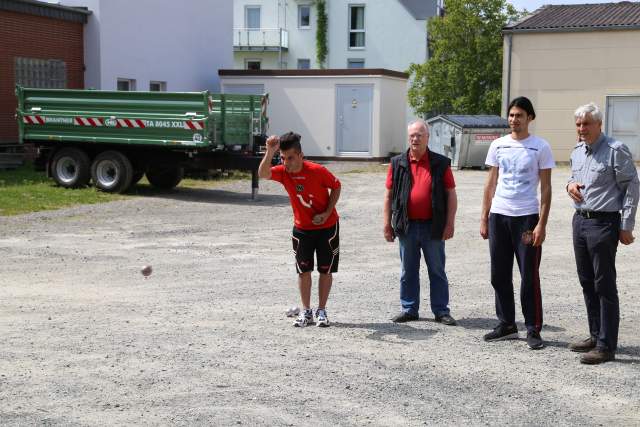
{"x": 587, "y": 214}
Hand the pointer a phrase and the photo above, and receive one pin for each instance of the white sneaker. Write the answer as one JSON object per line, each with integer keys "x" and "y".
{"x": 322, "y": 320}
{"x": 305, "y": 318}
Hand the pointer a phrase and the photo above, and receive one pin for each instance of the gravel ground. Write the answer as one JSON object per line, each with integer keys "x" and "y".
{"x": 86, "y": 340}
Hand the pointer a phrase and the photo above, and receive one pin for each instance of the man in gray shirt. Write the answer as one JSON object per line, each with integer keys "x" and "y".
{"x": 604, "y": 190}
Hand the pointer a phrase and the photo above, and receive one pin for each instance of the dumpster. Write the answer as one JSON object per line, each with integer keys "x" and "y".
{"x": 465, "y": 139}
{"x": 113, "y": 138}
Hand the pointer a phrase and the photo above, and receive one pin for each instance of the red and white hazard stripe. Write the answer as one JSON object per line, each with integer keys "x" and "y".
{"x": 129, "y": 123}
{"x": 33, "y": 120}
{"x": 89, "y": 121}
{"x": 194, "y": 125}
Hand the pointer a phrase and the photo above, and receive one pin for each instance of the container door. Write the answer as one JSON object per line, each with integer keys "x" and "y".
{"x": 623, "y": 121}
{"x": 354, "y": 119}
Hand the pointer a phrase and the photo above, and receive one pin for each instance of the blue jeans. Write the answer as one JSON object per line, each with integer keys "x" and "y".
{"x": 418, "y": 237}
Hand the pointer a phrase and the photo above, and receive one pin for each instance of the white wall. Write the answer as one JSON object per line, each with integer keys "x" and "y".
{"x": 181, "y": 43}
{"x": 271, "y": 15}
{"x": 394, "y": 117}
{"x": 302, "y": 42}
{"x": 393, "y": 37}
{"x": 307, "y": 105}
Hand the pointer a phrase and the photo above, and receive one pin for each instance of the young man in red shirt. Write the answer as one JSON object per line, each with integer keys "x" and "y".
{"x": 313, "y": 192}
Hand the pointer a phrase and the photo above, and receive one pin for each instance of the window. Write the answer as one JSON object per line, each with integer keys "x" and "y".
{"x": 252, "y": 64}
{"x": 304, "y": 64}
{"x": 42, "y": 73}
{"x": 304, "y": 16}
{"x": 158, "y": 86}
{"x": 126, "y": 84}
{"x": 356, "y": 27}
{"x": 355, "y": 63}
{"x": 252, "y": 17}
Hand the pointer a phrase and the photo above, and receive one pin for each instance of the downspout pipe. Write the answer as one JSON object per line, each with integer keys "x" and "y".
{"x": 509, "y": 39}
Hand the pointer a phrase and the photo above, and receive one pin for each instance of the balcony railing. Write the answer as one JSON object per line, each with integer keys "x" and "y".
{"x": 260, "y": 39}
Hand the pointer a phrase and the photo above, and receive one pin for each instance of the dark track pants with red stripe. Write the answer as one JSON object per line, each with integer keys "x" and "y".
{"x": 505, "y": 241}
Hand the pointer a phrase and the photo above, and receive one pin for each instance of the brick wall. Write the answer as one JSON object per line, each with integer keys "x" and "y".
{"x": 34, "y": 37}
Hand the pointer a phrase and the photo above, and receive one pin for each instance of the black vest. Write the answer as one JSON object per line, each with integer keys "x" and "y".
{"x": 402, "y": 182}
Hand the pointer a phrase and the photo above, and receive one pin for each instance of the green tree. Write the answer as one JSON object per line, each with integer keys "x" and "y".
{"x": 464, "y": 72}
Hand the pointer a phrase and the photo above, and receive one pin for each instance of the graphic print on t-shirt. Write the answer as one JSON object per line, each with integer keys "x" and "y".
{"x": 304, "y": 203}
{"x": 516, "y": 167}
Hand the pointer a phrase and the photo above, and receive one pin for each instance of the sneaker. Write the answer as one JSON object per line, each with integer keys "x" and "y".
{"x": 322, "y": 320}
{"x": 502, "y": 332}
{"x": 534, "y": 341}
{"x": 305, "y": 318}
{"x": 583, "y": 346}
{"x": 597, "y": 356}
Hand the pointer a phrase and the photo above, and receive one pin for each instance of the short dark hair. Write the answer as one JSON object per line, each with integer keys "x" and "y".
{"x": 290, "y": 140}
{"x": 524, "y": 103}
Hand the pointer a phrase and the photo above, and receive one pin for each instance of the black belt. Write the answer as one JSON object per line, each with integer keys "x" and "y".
{"x": 420, "y": 220}
{"x": 597, "y": 214}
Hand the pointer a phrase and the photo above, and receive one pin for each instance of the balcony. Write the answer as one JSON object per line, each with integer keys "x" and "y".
{"x": 260, "y": 39}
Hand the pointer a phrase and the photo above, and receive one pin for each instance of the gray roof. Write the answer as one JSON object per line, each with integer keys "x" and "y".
{"x": 48, "y": 10}
{"x": 420, "y": 9}
{"x": 580, "y": 17}
{"x": 473, "y": 121}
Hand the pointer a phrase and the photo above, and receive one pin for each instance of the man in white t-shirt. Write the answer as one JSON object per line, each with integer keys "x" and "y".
{"x": 514, "y": 221}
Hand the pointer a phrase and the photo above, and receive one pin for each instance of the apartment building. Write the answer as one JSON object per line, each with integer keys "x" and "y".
{"x": 281, "y": 34}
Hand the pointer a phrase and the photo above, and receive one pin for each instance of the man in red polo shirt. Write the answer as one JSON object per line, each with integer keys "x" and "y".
{"x": 419, "y": 208}
{"x": 313, "y": 192}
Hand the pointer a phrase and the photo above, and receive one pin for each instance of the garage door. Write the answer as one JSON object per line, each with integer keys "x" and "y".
{"x": 623, "y": 121}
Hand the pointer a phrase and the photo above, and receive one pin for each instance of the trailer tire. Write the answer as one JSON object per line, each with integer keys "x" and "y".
{"x": 112, "y": 172}
{"x": 165, "y": 178}
{"x": 70, "y": 168}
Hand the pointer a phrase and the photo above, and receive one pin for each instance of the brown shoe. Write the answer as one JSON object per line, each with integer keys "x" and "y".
{"x": 583, "y": 346}
{"x": 596, "y": 356}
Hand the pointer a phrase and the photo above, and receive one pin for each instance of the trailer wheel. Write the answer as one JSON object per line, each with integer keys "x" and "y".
{"x": 165, "y": 178}
{"x": 70, "y": 168}
{"x": 112, "y": 172}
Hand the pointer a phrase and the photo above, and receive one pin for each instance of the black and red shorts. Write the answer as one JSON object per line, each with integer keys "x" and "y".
{"x": 325, "y": 243}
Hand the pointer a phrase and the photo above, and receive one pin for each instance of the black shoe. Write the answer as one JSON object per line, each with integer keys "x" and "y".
{"x": 404, "y": 317}
{"x": 502, "y": 332}
{"x": 583, "y": 346}
{"x": 596, "y": 356}
{"x": 446, "y": 319}
{"x": 534, "y": 341}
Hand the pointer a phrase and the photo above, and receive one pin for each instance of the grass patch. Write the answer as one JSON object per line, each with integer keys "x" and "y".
{"x": 24, "y": 190}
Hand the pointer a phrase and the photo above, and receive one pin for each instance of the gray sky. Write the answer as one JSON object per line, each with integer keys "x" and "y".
{"x": 532, "y": 5}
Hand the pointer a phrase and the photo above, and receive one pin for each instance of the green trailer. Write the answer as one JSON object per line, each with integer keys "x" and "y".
{"x": 113, "y": 138}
